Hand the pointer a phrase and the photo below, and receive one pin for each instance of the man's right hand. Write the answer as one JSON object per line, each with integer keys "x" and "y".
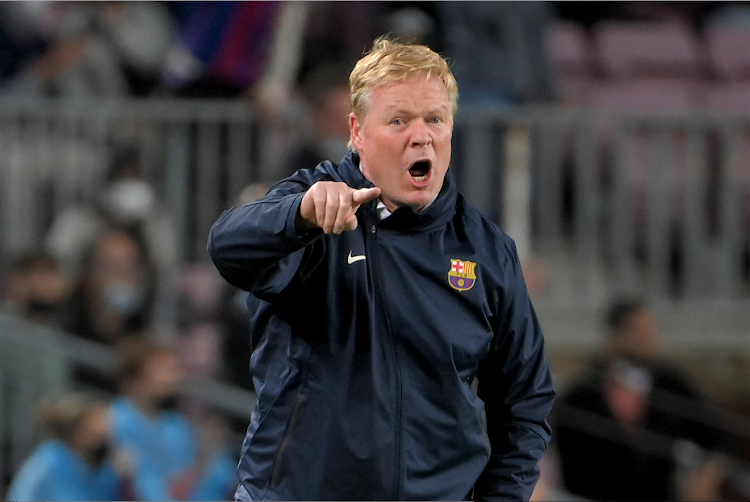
{"x": 331, "y": 205}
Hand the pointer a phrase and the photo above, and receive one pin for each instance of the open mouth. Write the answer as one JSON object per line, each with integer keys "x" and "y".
{"x": 420, "y": 170}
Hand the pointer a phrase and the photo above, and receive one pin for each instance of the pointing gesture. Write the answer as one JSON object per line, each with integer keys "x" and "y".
{"x": 331, "y": 205}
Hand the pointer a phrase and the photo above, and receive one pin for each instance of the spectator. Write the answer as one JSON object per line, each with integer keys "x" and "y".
{"x": 497, "y": 50}
{"x": 128, "y": 201}
{"x": 341, "y": 31}
{"x": 133, "y": 203}
{"x": 112, "y": 299}
{"x": 141, "y": 34}
{"x": 621, "y": 423}
{"x": 22, "y": 37}
{"x": 74, "y": 463}
{"x": 200, "y": 338}
{"x": 36, "y": 288}
{"x": 168, "y": 458}
{"x": 100, "y": 49}
{"x": 326, "y": 91}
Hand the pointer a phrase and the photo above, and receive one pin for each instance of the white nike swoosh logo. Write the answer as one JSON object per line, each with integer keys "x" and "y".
{"x": 351, "y": 259}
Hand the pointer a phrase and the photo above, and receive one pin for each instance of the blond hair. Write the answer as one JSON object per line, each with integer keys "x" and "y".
{"x": 390, "y": 62}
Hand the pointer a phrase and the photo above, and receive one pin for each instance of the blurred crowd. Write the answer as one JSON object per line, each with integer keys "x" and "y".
{"x": 138, "y": 445}
{"x": 262, "y": 50}
{"x": 632, "y": 428}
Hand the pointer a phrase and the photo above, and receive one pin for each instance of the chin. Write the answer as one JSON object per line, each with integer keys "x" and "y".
{"x": 419, "y": 203}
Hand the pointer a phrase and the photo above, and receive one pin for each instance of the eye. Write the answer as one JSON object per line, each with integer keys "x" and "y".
{"x": 435, "y": 120}
{"x": 397, "y": 121}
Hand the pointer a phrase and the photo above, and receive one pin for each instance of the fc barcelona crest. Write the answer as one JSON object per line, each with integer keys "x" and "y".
{"x": 461, "y": 275}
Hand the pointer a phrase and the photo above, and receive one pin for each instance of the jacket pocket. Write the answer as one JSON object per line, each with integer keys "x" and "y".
{"x": 287, "y": 440}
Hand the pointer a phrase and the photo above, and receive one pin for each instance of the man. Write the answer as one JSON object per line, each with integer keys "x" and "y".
{"x": 73, "y": 462}
{"x": 378, "y": 296}
{"x": 621, "y": 424}
{"x": 36, "y": 288}
{"x": 168, "y": 459}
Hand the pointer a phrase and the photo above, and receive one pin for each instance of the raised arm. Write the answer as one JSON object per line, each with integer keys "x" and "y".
{"x": 259, "y": 243}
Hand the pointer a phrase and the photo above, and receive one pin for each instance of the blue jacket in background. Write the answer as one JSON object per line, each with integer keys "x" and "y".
{"x": 163, "y": 449}
{"x": 366, "y": 345}
{"x": 54, "y": 472}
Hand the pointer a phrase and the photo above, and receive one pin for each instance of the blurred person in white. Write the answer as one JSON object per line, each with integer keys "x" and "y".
{"x": 74, "y": 463}
{"x": 168, "y": 458}
{"x": 94, "y": 49}
{"x": 129, "y": 201}
{"x": 624, "y": 424}
{"x": 36, "y": 288}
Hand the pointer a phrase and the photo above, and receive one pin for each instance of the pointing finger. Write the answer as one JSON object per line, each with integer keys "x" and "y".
{"x": 365, "y": 194}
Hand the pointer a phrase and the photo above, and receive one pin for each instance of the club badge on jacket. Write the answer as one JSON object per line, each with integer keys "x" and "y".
{"x": 461, "y": 274}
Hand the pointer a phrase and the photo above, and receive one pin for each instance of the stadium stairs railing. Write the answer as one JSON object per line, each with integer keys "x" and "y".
{"x": 36, "y": 362}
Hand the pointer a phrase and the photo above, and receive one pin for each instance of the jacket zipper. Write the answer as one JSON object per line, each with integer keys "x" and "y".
{"x": 376, "y": 270}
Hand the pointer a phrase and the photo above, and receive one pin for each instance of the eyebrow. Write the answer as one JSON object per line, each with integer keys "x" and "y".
{"x": 432, "y": 111}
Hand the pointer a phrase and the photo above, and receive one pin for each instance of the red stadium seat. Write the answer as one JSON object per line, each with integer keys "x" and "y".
{"x": 645, "y": 94}
{"x": 728, "y": 52}
{"x": 569, "y": 48}
{"x": 726, "y": 96}
{"x": 654, "y": 49}
{"x": 572, "y": 59}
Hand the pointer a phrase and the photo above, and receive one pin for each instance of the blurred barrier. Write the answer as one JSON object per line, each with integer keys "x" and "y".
{"x": 686, "y": 454}
{"x": 36, "y": 363}
{"x": 604, "y": 203}
{"x": 598, "y": 202}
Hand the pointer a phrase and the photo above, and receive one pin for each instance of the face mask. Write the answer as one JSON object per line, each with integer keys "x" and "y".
{"x": 130, "y": 200}
{"x": 100, "y": 454}
{"x": 635, "y": 377}
{"x": 40, "y": 307}
{"x": 168, "y": 402}
{"x": 123, "y": 298}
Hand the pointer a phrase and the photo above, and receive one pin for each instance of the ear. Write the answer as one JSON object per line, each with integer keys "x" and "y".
{"x": 356, "y": 131}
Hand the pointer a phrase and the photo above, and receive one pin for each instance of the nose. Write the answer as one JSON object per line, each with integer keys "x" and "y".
{"x": 420, "y": 134}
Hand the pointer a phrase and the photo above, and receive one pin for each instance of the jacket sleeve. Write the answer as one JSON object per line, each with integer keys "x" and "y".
{"x": 515, "y": 384}
{"x": 255, "y": 247}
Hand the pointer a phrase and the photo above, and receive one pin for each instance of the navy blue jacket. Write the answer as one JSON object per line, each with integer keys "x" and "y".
{"x": 363, "y": 367}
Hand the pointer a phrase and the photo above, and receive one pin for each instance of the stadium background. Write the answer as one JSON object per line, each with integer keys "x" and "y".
{"x": 609, "y": 140}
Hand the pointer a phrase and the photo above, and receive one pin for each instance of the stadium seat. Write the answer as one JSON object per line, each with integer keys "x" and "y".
{"x": 571, "y": 56}
{"x": 728, "y": 52}
{"x": 569, "y": 48}
{"x": 645, "y": 94}
{"x": 651, "y": 49}
{"x": 726, "y": 96}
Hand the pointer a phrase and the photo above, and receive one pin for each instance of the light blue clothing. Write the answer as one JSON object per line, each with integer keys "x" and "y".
{"x": 164, "y": 448}
{"x": 54, "y": 472}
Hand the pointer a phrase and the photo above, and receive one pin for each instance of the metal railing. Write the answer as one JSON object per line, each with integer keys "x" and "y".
{"x": 607, "y": 202}
{"x": 36, "y": 362}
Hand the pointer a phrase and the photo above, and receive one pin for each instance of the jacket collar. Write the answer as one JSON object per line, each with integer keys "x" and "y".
{"x": 403, "y": 218}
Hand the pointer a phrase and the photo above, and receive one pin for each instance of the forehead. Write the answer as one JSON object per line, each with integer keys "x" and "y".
{"x": 420, "y": 90}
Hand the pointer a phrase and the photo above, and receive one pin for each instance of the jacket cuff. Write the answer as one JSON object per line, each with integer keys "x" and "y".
{"x": 291, "y": 219}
